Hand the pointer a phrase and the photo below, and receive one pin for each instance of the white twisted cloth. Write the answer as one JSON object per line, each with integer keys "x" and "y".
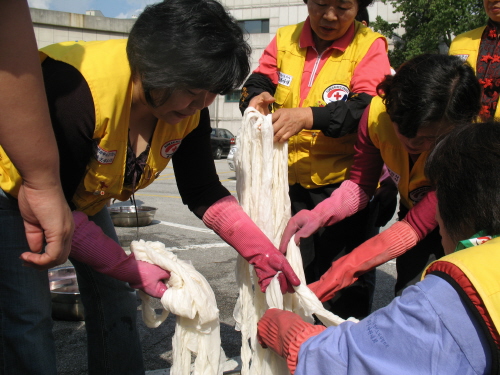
{"x": 262, "y": 187}
{"x": 191, "y": 299}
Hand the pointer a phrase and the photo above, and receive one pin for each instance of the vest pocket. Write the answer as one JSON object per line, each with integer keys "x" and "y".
{"x": 280, "y": 96}
{"x": 322, "y": 145}
{"x": 331, "y": 158}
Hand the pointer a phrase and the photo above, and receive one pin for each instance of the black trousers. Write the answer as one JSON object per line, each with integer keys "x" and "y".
{"x": 329, "y": 244}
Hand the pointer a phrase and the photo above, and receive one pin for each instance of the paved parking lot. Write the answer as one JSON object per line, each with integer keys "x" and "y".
{"x": 182, "y": 232}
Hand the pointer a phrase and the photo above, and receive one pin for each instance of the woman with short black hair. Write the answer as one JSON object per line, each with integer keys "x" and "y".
{"x": 428, "y": 97}
{"x": 318, "y": 76}
{"x": 121, "y": 110}
{"x": 449, "y": 322}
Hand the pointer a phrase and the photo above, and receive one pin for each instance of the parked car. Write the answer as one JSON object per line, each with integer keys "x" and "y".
{"x": 220, "y": 140}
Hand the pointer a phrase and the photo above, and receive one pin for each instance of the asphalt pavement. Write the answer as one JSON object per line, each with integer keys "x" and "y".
{"x": 186, "y": 235}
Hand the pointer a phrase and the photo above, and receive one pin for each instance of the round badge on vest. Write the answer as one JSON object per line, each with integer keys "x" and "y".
{"x": 169, "y": 148}
{"x": 335, "y": 93}
{"x": 417, "y": 194}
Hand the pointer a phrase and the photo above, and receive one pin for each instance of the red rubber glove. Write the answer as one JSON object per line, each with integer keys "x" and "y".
{"x": 284, "y": 332}
{"x": 389, "y": 244}
{"x": 226, "y": 218}
{"x": 348, "y": 199}
{"x": 91, "y": 246}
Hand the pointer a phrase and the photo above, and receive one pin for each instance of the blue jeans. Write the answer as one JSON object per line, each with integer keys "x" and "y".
{"x": 27, "y": 343}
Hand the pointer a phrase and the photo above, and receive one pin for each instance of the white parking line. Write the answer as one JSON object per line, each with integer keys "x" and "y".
{"x": 196, "y": 229}
{"x": 202, "y": 246}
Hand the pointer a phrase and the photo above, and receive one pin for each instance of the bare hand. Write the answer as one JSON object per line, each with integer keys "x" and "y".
{"x": 46, "y": 217}
{"x": 290, "y": 121}
{"x": 261, "y": 102}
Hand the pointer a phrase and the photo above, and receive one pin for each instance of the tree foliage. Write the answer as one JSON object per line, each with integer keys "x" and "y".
{"x": 428, "y": 24}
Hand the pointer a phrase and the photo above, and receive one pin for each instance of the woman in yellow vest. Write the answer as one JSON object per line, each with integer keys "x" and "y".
{"x": 449, "y": 322}
{"x": 318, "y": 76}
{"x": 427, "y": 98}
{"x": 121, "y": 110}
{"x": 480, "y": 48}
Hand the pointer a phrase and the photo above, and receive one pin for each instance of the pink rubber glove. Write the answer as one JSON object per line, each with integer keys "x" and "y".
{"x": 284, "y": 332}
{"x": 92, "y": 247}
{"x": 226, "y": 218}
{"x": 385, "y": 246}
{"x": 348, "y": 199}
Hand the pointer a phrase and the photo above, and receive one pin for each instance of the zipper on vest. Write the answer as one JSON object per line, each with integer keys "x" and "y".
{"x": 316, "y": 64}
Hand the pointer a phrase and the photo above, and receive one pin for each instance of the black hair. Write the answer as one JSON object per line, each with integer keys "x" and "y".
{"x": 464, "y": 170}
{"x": 361, "y": 3}
{"x": 182, "y": 44}
{"x": 431, "y": 90}
{"x": 363, "y": 16}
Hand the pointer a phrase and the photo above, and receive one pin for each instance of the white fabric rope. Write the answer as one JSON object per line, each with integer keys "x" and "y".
{"x": 191, "y": 299}
{"x": 262, "y": 188}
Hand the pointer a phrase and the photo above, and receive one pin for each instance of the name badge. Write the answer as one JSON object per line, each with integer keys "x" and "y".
{"x": 395, "y": 177}
{"x": 103, "y": 156}
{"x": 285, "y": 79}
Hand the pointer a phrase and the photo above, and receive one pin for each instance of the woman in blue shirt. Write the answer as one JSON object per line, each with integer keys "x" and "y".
{"x": 448, "y": 322}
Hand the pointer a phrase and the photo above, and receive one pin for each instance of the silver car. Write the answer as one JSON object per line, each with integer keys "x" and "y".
{"x": 232, "y": 156}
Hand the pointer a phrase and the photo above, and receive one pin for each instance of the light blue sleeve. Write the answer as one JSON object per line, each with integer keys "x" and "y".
{"x": 428, "y": 330}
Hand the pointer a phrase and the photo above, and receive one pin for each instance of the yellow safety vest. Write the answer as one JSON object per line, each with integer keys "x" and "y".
{"x": 412, "y": 185}
{"x": 466, "y": 46}
{"x": 104, "y": 65}
{"x": 314, "y": 159}
{"x": 480, "y": 264}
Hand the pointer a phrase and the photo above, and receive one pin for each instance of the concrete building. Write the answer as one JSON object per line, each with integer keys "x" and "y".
{"x": 54, "y": 27}
{"x": 261, "y": 18}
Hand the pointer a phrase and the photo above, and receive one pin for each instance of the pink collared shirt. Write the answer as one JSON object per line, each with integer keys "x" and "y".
{"x": 368, "y": 73}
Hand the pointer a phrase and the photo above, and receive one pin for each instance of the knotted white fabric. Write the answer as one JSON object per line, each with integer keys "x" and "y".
{"x": 191, "y": 299}
{"x": 262, "y": 187}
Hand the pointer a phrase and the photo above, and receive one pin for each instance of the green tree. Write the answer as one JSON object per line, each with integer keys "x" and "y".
{"x": 428, "y": 24}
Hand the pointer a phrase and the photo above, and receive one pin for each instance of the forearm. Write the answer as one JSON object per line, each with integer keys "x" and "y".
{"x": 195, "y": 173}
{"x": 255, "y": 85}
{"x": 340, "y": 118}
{"x": 368, "y": 163}
{"x": 25, "y": 127}
{"x": 226, "y": 218}
{"x": 422, "y": 217}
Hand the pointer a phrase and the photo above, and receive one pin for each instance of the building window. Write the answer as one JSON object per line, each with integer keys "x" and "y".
{"x": 233, "y": 96}
{"x": 254, "y": 26}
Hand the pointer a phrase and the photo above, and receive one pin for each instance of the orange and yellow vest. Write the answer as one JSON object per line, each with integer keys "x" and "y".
{"x": 475, "y": 273}
{"x": 314, "y": 159}
{"x": 466, "y": 46}
{"x": 104, "y": 65}
{"x": 412, "y": 184}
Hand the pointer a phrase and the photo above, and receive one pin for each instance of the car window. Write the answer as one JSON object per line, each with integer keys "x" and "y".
{"x": 214, "y": 133}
